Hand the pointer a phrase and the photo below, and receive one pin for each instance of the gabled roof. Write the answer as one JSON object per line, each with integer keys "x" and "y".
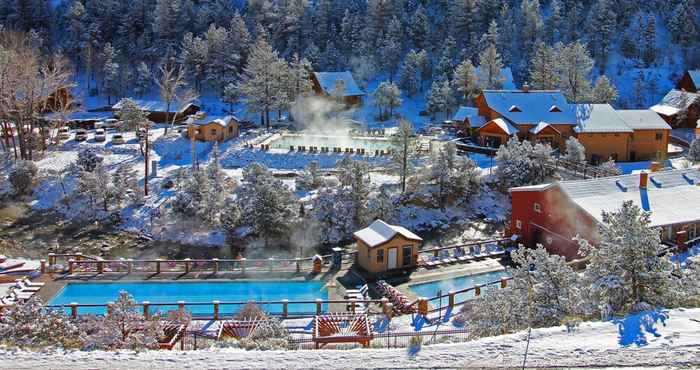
{"x": 328, "y": 81}
{"x": 534, "y": 106}
{"x": 507, "y": 75}
{"x": 464, "y": 113}
{"x": 643, "y": 119}
{"x": 541, "y": 126}
{"x": 695, "y": 77}
{"x": 154, "y": 106}
{"x": 380, "y": 232}
{"x": 670, "y": 197}
{"x": 599, "y": 118}
{"x": 222, "y": 121}
{"x": 504, "y": 125}
{"x": 673, "y": 102}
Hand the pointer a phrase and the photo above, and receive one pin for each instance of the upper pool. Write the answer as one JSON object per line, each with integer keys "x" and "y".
{"x": 433, "y": 288}
{"x": 205, "y": 292}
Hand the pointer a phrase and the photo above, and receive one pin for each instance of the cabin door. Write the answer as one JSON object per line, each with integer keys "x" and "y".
{"x": 393, "y": 254}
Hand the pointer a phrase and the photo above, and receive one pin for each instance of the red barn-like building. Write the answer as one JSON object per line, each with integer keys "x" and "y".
{"x": 553, "y": 214}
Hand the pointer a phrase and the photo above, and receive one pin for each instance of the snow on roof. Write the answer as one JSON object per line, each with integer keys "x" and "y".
{"x": 507, "y": 75}
{"x": 81, "y": 116}
{"x": 599, "y": 118}
{"x": 695, "y": 76}
{"x": 464, "y": 113}
{"x": 666, "y": 110}
{"x": 670, "y": 197}
{"x": 541, "y": 126}
{"x": 674, "y": 98}
{"x": 328, "y": 80}
{"x": 643, "y": 119}
{"x": 538, "y": 187}
{"x": 153, "y": 106}
{"x": 503, "y": 124}
{"x": 379, "y": 232}
{"x": 534, "y": 106}
{"x": 222, "y": 121}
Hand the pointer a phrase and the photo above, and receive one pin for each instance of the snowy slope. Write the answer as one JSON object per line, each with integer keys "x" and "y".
{"x": 659, "y": 339}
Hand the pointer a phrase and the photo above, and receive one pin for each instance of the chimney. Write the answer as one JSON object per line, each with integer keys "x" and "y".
{"x": 655, "y": 166}
{"x": 643, "y": 180}
{"x": 526, "y": 87}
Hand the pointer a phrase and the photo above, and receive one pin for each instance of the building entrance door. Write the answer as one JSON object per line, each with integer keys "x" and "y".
{"x": 391, "y": 263}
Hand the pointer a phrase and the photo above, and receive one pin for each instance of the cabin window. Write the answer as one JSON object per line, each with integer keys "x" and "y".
{"x": 659, "y": 136}
{"x": 518, "y": 224}
{"x": 380, "y": 255}
{"x": 230, "y": 129}
{"x": 537, "y": 207}
{"x": 213, "y": 131}
{"x": 407, "y": 255}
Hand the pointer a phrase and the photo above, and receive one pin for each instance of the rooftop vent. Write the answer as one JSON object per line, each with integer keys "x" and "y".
{"x": 514, "y": 108}
{"x": 554, "y": 108}
{"x": 526, "y": 87}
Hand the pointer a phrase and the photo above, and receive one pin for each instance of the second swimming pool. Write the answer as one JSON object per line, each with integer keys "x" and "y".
{"x": 205, "y": 292}
{"x": 433, "y": 288}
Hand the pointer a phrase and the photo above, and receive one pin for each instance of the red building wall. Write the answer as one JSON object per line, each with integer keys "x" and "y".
{"x": 556, "y": 223}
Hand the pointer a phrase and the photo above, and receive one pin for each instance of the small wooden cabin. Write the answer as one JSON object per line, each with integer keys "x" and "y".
{"x": 214, "y": 128}
{"x": 382, "y": 247}
{"x": 690, "y": 81}
{"x": 158, "y": 111}
{"x": 338, "y": 84}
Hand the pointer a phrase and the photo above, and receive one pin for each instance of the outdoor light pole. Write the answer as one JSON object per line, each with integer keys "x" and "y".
{"x": 145, "y": 179}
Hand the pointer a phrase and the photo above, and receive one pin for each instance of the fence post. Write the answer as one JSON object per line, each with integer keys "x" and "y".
{"x": 181, "y": 307}
{"x": 216, "y": 265}
{"x": 43, "y": 266}
{"x": 130, "y": 265}
{"x": 319, "y": 305}
{"x": 270, "y": 262}
{"x": 187, "y": 265}
{"x": 451, "y": 298}
{"x": 385, "y": 303}
{"x": 100, "y": 267}
{"x": 435, "y": 253}
{"x": 298, "y": 261}
{"x": 477, "y": 290}
{"x": 243, "y": 265}
{"x": 79, "y": 256}
{"x": 110, "y": 307}
{"x": 353, "y": 302}
{"x": 216, "y": 309}
{"x": 158, "y": 265}
{"x": 146, "y": 314}
{"x": 285, "y": 308}
{"x": 71, "y": 266}
{"x": 73, "y": 310}
{"x": 504, "y": 282}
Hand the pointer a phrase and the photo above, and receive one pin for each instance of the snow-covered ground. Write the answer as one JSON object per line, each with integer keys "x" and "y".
{"x": 658, "y": 339}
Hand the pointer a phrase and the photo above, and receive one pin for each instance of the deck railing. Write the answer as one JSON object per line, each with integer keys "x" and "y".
{"x": 480, "y": 243}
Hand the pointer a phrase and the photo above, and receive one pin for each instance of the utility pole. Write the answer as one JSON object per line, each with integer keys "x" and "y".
{"x": 145, "y": 179}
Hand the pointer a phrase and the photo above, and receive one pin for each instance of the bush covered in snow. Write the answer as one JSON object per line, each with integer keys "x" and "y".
{"x": 88, "y": 160}
{"x": 22, "y": 177}
{"x": 267, "y": 336}
{"x": 610, "y": 167}
{"x": 521, "y": 163}
{"x": 310, "y": 178}
{"x": 30, "y": 325}
{"x": 575, "y": 151}
{"x": 694, "y": 151}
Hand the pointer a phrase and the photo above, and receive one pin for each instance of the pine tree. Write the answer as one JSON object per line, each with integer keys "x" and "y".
{"x": 143, "y": 79}
{"x": 543, "y": 68}
{"x": 403, "y": 151}
{"x": 194, "y": 57}
{"x": 418, "y": 28}
{"x": 409, "y": 80}
{"x": 574, "y": 69}
{"x": 387, "y": 96}
{"x": 649, "y": 54}
{"x": 639, "y": 89}
{"x": 261, "y": 79}
{"x": 604, "y": 92}
{"x": 625, "y": 272}
{"x": 575, "y": 151}
{"x": 490, "y": 66}
{"x": 466, "y": 80}
{"x": 693, "y": 154}
{"x": 603, "y": 27}
{"x": 530, "y": 27}
{"x": 455, "y": 178}
{"x": 110, "y": 72}
{"x": 552, "y": 25}
{"x": 231, "y": 96}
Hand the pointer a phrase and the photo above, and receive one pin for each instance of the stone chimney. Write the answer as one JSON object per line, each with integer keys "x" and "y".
{"x": 643, "y": 180}
{"x": 526, "y": 87}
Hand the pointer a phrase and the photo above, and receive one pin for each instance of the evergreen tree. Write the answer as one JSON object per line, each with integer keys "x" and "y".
{"x": 231, "y": 96}
{"x": 261, "y": 80}
{"x": 552, "y": 25}
{"x": 604, "y": 92}
{"x": 418, "y": 28}
{"x": 387, "y": 96}
{"x": 649, "y": 54}
{"x": 409, "y": 79}
{"x": 575, "y": 151}
{"x": 143, "y": 79}
{"x": 693, "y": 154}
{"x": 403, "y": 151}
{"x": 490, "y": 66}
{"x": 574, "y": 69}
{"x": 466, "y": 80}
{"x": 638, "y": 92}
{"x": 543, "y": 68}
{"x": 110, "y": 72}
{"x": 603, "y": 28}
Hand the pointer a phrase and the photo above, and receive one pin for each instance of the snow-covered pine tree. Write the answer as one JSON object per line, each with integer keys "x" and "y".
{"x": 603, "y": 27}
{"x": 552, "y": 25}
{"x": 125, "y": 181}
{"x": 455, "y": 177}
{"x": 490, "y": 66}
{"x": 382, "y": 206}
{"x": 625, "y": 272}
{"x": 693, "y": 154}
{"x": 604, "y": 92}
{"x": 261, "y": 81}
{"x": 409, "y": 79}
{"x": 231, "y": 96}
{"x": 387, "y": 96}
{"x": 520, "y": 163}
{"x": 543, "y": 68}
{"x": 131, "y": 115}
{"x": 311, "y": 178}
{"x": 403, "y": 151}
{"x": 466, "y": 81}
{"x": 574, "y": 69}
{"x": 143, "y": 79}
{"x": 575, "y": 151}
{"x": 88, "y": 160}
{"x": 110, "y": 72}
{"x": 418, "y": 28}
{"x": 609, "y": 167}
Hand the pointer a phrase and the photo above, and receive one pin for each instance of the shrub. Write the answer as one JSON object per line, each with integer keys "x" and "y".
{"x": 251, "y": 311}
{"x": 22, "y": 177}
{"x": 88, "y": 160}
{"x": 270, "y": 335}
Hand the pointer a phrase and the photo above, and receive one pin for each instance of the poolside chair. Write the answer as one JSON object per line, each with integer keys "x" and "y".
{"x": 20, "y": 295}
{"x": 494, "y": 250}
{"x": 360, "y": 293}
{"x": 25, "y": 288}
{"x": 30, "y": 283}
{"x": 11, "y": 264}
{"x": 446, "y": 258}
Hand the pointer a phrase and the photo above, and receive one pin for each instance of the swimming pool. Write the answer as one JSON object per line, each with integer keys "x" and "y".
{"x": 369, "y": 144}
{"x": 431, "y": 289}
{"x": 206, "y": 292}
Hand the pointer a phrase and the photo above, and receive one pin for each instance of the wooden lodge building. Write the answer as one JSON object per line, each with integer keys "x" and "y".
{"x": 342, "y": 84}
{"x": 546, "y": 116}
{"x": 690, "y": 81}
{"x": 382, "y": 247}
{"x": 214, "y": 128}
{"x": 676, "y": 102}
{"x": 553, "y": 214}
{"x": 158, "y": 111}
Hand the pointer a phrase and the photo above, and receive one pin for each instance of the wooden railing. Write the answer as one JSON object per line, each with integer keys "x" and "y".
{"x": 481, "y": 243}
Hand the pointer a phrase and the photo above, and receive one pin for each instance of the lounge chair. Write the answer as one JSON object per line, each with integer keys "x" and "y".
{"x": 30, "y": 283}
{"x": 11, "y": 264}
{"x": 445, "y": 257}
{"x": 19, "y": 295}
{"x": 495, "y": 251}
{"x": 25, "y": 288}
{"x": 477, "y": 254}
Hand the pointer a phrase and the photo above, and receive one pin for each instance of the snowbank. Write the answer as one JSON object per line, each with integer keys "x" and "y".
{"x": 667, "y": 338}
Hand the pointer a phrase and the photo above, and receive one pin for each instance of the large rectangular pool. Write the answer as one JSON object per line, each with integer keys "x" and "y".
{"x": 205, "y": 292}
{"x": 442, "y": 287}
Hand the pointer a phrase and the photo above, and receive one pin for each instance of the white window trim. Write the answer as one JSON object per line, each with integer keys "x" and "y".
{"x": 537, "y": 207}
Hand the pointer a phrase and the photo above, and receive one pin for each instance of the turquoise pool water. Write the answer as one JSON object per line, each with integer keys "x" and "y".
{"x": 206, "y": 292}
{"x": 431, "y": 289}
{"x": 369, "y": 144}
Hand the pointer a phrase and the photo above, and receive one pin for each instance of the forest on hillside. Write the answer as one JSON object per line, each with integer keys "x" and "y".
{"x": 118, "y": 46}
